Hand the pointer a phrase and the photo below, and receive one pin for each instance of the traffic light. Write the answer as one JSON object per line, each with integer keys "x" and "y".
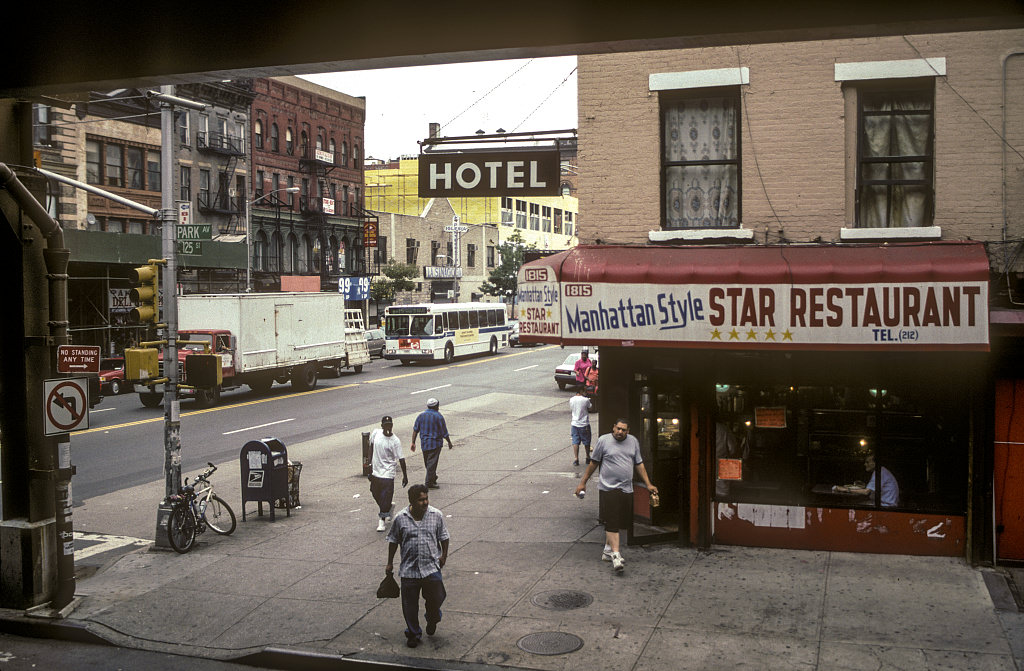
{"x": 146, "y": 295}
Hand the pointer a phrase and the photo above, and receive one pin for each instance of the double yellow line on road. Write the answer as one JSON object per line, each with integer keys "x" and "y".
{"x": 294, "y": 395}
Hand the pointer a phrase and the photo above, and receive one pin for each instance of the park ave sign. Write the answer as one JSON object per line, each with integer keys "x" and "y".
{"x": 532, "y": 172}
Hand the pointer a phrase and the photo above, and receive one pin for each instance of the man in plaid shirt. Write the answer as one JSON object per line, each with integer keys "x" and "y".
{"x": 423, "y": 535}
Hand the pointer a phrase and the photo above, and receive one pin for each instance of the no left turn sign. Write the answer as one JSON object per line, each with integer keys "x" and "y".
{"x": 66, "y": 406}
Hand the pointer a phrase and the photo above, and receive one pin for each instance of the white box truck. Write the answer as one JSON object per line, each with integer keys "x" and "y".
{"x": 265, "y": 338}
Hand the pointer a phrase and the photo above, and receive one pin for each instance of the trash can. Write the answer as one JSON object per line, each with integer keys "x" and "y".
{"x": 367, "y": 455}
{"x": 292, "y": 500}
{"x": 264, "y": 473}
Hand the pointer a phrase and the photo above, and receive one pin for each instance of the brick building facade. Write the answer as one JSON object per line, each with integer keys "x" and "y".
{"x": 801, "y": 262}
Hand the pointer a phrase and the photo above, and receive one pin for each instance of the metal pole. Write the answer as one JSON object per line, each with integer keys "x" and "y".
{"x": 248, "y": 245}
{"x": 168, "y": 215}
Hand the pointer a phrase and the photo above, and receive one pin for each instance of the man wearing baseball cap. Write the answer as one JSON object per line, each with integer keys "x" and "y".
{"x": 430, "y": 424}
{"x": 387, "y": 455}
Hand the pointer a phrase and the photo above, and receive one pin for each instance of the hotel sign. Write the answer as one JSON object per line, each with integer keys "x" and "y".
{"x": 490, "y": 173}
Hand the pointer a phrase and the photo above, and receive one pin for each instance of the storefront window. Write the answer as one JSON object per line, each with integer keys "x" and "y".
{"x": 841, "y": 446}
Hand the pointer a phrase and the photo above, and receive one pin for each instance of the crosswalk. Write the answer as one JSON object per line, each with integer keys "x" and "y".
{"x": 90, "y": 544}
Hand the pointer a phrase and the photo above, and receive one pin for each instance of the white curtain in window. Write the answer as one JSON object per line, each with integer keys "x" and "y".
{"x": 701, "y": 196}
{"x": 891, "y": 135}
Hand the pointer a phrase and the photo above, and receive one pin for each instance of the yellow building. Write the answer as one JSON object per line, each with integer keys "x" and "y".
{"x": 547, "y": 222}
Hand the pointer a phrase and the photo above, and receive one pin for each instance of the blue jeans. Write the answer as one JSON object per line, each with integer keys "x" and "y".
{"x": 430, "y": 459}
{"x": 433, "y": 595}
{"x": 383, "y": 491}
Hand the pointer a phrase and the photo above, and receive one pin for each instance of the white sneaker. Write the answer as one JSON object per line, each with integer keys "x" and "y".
{"x": 380, "y": 525}
{"x": 606, "y": 554}
{"x": 618, "y": 563}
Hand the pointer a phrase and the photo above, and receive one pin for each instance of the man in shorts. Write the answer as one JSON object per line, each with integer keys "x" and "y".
{"x": 616, "y": 454}
{"x": 579, "y": 425}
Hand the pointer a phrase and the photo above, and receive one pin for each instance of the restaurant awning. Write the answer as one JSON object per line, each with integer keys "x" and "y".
{"x": 930, "y": 296}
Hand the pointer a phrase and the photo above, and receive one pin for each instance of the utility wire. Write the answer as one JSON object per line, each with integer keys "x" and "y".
{"x": 487, "y": 94}
{"x": 545, "y": 100}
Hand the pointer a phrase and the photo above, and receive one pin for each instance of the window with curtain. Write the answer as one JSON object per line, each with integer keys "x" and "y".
{"x": 133, "y": 167}
{"x": 153, "y": 170}
{"x": 701, "y": 162}
{"x": 895, "y": 157}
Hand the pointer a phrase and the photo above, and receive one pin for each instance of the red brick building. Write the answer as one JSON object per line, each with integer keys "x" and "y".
{"x": 307, "y": 217}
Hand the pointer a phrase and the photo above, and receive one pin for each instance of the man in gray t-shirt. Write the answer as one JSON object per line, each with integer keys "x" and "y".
{"x": 617, "y": 454}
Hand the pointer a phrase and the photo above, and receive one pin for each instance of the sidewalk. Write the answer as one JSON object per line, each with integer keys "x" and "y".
{"x": 305, "y": 584}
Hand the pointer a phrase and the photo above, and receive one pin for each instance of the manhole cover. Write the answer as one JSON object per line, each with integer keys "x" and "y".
{"x": 550, "y": 643}
{"x": 562, "y": 599}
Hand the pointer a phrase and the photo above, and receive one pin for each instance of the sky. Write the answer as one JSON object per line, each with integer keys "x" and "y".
{"x": 515, "y": 95}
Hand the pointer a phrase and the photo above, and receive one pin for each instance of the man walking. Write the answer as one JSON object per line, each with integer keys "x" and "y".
{"x": 579, "y": 425}
{"x": 616, "y": 454}
{"x": 387, "y": 455}
{"x": 430, "y": 424}
{"x": 421, "y": 532}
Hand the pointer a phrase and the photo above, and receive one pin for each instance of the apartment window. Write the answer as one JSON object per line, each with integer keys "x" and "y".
{"x": 133, "y": 167}
{"x": 470, "y": 256}
{"x": 566, "y": 189}
{"x": 259, "y": 191}
{"x": 203, "y": 132}
{"x": 491, "y": 256}
{"x": 320, "y": 139}
{"x": 93, "y": 163}
{"x": 534, "y": 216}
{"x": 182, "y": 124}
{"x": 344, "y": 154}
{"x": 450, "y": 256}
{"x": 257, "y": 134}
{"x": 558, "y": 220}
{"x": 304, "y": 144}
{"x": 520, "y": 214}
{"x": 42, "y": 128}
{"x": 153, "y": 170}
{"x": 289, "y": 141}
{"x": 412, "y": 250}
{"x": 506, "y": 211}
{"x": 356, "y": 200}
{"x": 435, "y": 249}
{"x": 114, "y": 164}
{"x": 185, "y": 174}
{"x": 204, "y": 187}
{"x": 895, "y": 155}
{"x": 568, "y": 223}
{"x": 355, "y": 156}
{"x": 380, "y": 254}
{"x": 291, "y": 194}
{"x": 701, "y": 161}
{"x": 240, "y": 134}
{"x": 274, "y": 140}
{"x": 545, "y": 219}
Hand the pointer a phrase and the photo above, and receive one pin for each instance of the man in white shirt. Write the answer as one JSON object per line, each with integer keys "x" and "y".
{"x": 579, "y": 426}
{"x": 387, "y": 456}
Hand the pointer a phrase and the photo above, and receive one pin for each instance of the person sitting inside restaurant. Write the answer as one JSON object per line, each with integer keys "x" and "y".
{"x": 890, "y": 488}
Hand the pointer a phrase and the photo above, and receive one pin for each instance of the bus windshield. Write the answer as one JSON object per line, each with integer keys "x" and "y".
{"x": 396, "y": 325}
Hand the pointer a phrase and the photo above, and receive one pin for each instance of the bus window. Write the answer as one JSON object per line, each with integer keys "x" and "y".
{"x": 501, "y": 317}
{"x": 422, "y": 325}
{"x": 481, "y": 315}
{"x": 493, "y": 320}
{"x": 396, "y": 325}
{"x": 439, "y": 325}
{"x": 463, "y": 319}
{"x": 474, "y": 319}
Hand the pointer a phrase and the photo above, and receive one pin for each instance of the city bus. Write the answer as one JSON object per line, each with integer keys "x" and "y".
{"x": 443, "y": 331}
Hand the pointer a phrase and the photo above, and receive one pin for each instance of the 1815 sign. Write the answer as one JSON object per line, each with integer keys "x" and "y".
{"x": 490, "y": 173}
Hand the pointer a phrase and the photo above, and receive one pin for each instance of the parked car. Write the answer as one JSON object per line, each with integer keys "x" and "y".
{"x": 565, "y": 372}
{"x": 112, "y": 376}
{"x": 375, "y": 342}
{"x": 513, "y": 334}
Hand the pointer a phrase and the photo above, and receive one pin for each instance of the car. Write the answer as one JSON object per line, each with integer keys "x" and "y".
{"x": 513, "y": 332}
{"x": 565, "y": 372}
{"x": 112, "y": 376}
{"x": 375, "y": 342}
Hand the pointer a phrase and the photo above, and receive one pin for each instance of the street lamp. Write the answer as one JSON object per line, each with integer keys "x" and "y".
{"x": 248, "y": 232}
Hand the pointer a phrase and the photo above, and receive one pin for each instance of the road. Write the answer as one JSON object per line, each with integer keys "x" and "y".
{"x": 124, "y": 445}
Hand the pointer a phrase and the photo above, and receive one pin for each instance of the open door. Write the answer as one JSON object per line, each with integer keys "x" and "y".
{"x": 664, "y": 442}
{"x": 1008, "y": 470}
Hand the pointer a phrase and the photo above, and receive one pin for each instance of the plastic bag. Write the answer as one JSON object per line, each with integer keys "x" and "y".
{"x": 388, "y": 588}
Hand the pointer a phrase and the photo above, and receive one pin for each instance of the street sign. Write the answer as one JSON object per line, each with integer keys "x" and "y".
{"x": 66, "y": 405}
{"x": 78, "y": 358}
{"x": 190, "y": 247}
{"x": 194, "y": 232}
{"x": 455, "y": 229}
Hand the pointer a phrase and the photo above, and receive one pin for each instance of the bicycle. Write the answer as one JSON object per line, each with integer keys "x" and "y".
{"x": 194, "y": 509}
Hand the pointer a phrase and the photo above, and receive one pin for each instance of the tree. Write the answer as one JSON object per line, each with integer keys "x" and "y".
{"x": 502, "y": 280}
{"x": 394, "y": 277}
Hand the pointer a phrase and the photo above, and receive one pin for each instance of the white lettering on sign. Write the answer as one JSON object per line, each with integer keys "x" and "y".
{"x": 473, "y": 180}
{"x": 481, "y": 174}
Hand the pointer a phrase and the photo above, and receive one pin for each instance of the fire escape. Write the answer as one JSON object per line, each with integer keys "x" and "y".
{"x": 223, "y": 198}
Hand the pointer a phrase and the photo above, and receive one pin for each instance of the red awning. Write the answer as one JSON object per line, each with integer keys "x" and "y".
{"x": 902, "y": 296}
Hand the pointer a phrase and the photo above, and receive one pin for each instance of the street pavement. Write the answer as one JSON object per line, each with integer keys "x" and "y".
{"x": 524, "y": 577}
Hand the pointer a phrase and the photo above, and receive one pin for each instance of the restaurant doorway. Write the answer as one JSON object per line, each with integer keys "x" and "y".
{"x": 664, "y": 435}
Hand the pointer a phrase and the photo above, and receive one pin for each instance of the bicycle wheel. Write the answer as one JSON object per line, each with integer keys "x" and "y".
{"x": 181, "y": 528}
{"x": 219, "y": 516}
